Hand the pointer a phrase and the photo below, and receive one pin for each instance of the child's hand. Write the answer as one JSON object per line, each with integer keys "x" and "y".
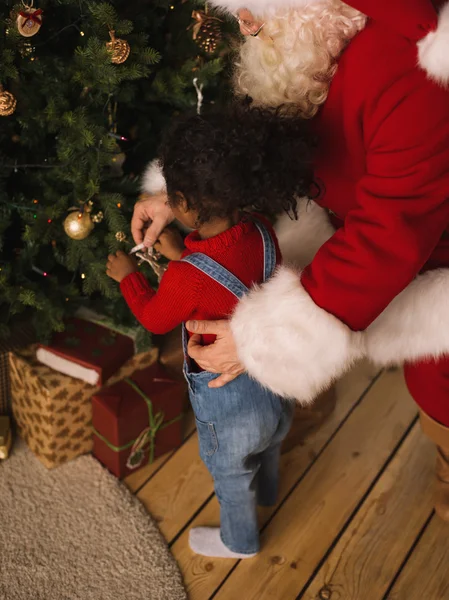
{"x": 120, "y": 265}
{"x": 170, "y": 244}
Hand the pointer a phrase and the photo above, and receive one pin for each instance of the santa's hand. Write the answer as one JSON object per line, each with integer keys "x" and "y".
{"x": 152, "y": 212}
{"x": 219, "y": 357}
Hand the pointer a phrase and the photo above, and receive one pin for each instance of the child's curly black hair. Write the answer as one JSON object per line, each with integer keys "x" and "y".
{"x": 238, "y": 158}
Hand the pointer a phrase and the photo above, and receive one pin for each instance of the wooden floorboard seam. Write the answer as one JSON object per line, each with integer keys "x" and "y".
{"x": 408, "y": 555}
{"x": 357, "y": 508}
{"x": 169, "y": 457}
{"x": 192, "y": 518}
{"x": 307, "y": 469}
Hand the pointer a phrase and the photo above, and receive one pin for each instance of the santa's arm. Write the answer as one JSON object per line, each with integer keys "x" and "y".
{"x": 299, "y": 332}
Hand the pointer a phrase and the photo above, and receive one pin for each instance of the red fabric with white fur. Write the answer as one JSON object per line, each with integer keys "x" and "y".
{"x": 384, "y": 134}
{"x": 384, "y": 137}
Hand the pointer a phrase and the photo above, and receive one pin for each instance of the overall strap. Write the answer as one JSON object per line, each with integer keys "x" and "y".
{"x": 269, "y": 250}
{"x": 224, "y": 277}
{"x": 217, "y": 272}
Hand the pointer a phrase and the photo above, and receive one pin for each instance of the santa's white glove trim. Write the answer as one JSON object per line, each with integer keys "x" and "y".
{"x": 288, "y": 343}
{"x": 153, "y": 180}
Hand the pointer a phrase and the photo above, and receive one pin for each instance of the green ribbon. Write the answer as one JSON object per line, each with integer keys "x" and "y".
{"x": 147, "y": 436}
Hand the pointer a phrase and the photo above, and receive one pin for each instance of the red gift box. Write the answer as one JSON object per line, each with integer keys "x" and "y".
{"x": 137, "y": 419}
{"x": 86, "y": 351}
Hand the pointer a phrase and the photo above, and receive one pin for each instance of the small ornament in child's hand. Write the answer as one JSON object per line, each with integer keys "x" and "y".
{"x": 118, "y": 48}
{"x": 151, "y": 257}
{"x": 29, "y": 21}
{"x": 120, "y": 236}
{"x": 8, "y": 103}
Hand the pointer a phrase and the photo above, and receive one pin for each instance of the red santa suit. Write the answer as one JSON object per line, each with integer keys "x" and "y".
{"x": 378, "y": 285}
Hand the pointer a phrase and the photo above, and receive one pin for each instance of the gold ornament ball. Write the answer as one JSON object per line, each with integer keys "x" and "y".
{"x": 78, "y": 225}
{"x": 120, "y": 236}
{"x": 8, "y": 103}
{"x": 118, "y": 48}
{"x": 28, "y": 25}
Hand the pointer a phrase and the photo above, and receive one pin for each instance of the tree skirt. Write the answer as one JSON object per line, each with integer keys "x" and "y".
{"x": 76, "y": 533}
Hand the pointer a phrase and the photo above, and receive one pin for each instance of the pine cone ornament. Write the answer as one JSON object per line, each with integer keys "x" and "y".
{"x": 8, "y": 103}
{"x": 120, "y": 236}
{"x": 118, "y": 48}
{"x": 29, "y": 21}
{"x": 206, "y": 31}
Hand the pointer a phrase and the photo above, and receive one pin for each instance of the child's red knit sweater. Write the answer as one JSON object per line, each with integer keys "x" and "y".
{"x": 186, "y": 293}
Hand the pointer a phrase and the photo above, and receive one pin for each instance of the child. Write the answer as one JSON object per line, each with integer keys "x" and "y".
{"x": 216, "y": 167}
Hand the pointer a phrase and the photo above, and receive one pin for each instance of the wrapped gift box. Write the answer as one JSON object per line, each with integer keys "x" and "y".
{"x": 135, "y": 363}
{"x": 21, "y": 336}
{"x": 52, "y": 411}
{"x": 87, "y": 351}
{"x": 137, "y": 419}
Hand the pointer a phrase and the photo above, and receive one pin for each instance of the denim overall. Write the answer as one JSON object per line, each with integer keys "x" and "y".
{"x": 240, "y": 427}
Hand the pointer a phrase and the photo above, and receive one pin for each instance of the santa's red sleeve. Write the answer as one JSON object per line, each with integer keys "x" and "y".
{"x": 303, "y": 329}
{"x": 173, "y": 303}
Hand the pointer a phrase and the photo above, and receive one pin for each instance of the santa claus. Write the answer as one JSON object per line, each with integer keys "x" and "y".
{"x": 368, "y": 273}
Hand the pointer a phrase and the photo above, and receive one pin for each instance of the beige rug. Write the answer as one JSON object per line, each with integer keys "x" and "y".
{"x": 76, "y": 533}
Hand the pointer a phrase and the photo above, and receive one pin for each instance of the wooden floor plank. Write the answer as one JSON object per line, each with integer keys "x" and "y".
{"x": 426, "y": 574}
{"x": 136, "y": 480}
{"x": 367, "y": 557}
{"x": 310, "y": 520}
{"x": 178, "y": 490}
{"x": 202, "y": 575}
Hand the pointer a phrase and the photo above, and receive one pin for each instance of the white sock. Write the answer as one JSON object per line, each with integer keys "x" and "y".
{"x": 207, "y": 541}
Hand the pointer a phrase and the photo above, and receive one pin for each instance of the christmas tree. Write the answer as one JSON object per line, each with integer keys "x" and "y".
{"x": 87, "y": 89}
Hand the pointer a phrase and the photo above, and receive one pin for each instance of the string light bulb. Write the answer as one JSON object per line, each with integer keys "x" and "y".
{"x": 37, "y": 270}
{"x": 83, "y": 275}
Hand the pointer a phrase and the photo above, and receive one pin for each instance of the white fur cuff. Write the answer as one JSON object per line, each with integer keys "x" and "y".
{"x": 415, "y": 325}
{"x": 433, "y": 50}
{"x": 153, "y": 180}
{"x": 288, "y": 343}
